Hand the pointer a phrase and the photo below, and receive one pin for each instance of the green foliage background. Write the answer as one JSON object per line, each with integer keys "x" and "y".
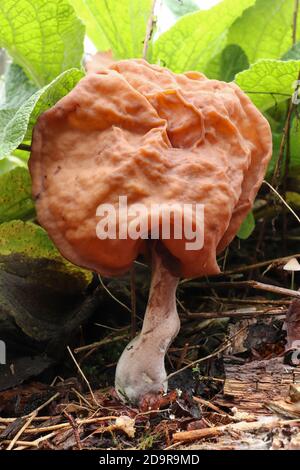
{"x": 256, "y": 43}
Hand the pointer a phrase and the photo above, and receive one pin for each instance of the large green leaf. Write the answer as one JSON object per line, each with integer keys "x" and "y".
{"x": 123, "y": 23}
{"x": 15, "y": 195}
{"x": 233, "y": 60}
{"x": 225, "y": 65}
{"x": 93, "y": 28}
{"x": 27, "y": 240}
{"x": 264, "y": 31}
{"x": 9, "y": 163}
{"x": 17, "y": 88}
{"x": 269, "y": 81}
{"x": 43, "y": 36}
{"x": 213, "y": 67}
{"x": 15, "y": 125}
{"x": 41, "y": 293}
{"x": 197, "y": 37}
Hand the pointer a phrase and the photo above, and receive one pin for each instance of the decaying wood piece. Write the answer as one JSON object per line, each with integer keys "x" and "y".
{"x": 285, "y": 408}
{"x": 292, "y": 325}
{"x": 242, "y": 427}
{"x": 251, "y": 387}
{"x": 256, "y": 390}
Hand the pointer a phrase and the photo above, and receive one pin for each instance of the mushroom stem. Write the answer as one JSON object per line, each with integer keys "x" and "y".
{"x": 141, "y": 367}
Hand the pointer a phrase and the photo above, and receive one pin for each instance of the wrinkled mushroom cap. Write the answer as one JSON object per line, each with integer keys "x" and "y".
{"x": 142, "y": 131}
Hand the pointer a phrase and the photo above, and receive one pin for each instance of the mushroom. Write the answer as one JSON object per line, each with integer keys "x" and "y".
{"x": 292, "y": 266}
{"x": 138, "y": 130}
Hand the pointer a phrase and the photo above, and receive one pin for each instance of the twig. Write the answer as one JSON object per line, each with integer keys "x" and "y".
{"x": 11, "y": 420}
{"x": 20, "y": 443}
{"x": 107, "y": 327}
{"x": 260, "y": 264}
{"x": 253, "y": 285}
{"x": 75, "y": 429}
{"x": 111, "y": 295}
{"x": 30, "y": 417}
{"x": 182, "y": 355}
{"x": 39, "y": 408}
{"x": 20, "y": 432}
{"x": 284, "y": 191}
{"x": 36, "y": 442}
{"x": 239, "y": 313}
{"x": 83, "y": 376}
{"x": 102, "y": 342}
{"x": 286, "y": 128}
{"x": 206, "y": 358}
{"x": 79, "y": 422}
{"x": 149, "y": 30}
{"x": 215, "y": 431}
{"x": 280, "y": 197}
{"x": 81, "y": 397}
{"x": 210, "y": 405}
{"x": 173, "y": 446}
{"x": 248, "y": 301}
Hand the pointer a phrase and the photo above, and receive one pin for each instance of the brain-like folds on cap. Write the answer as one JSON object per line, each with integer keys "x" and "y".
{"x": 141, "y": 131}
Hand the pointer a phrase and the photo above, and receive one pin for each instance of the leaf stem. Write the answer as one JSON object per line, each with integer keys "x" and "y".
{"x": 25, "y": 147}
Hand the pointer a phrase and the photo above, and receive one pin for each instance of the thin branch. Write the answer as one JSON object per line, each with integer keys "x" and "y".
{"x": 55, "y": 427}
{"x": 149, "y": 30}
{"x": 111, "y": 295}
{"x": 43, "y": 405}
{"x": 182, "y": 355}
{"x": 260, "y": 264}
{"x": 251, "y": 285}
{"x": 282, "y": 200}
{"x": 268, "y": 288}
{"x": 238, "y": 428}
{"x": 100, "y": 343}
{"x": 283, "y": 142}
{"x": 284, "y": 191}
{"x": 241, "y": 313}
{"x": 83, "y": 376}
{"x": 248, "y": 301}
{"x": 210, "y": 356}
{"x": 74, "y": 426}
{"x": 30, "y": 417}
{"x": 20, "y": 432}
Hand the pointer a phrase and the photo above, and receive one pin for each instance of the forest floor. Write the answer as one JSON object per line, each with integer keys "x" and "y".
{"x": 234, "y": 368}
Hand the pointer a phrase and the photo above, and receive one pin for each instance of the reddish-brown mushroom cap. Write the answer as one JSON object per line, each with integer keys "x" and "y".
{"x": 139, "y": 130}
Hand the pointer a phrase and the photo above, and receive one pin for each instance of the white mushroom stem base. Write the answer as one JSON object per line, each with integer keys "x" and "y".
{"x": 141, "y": 367}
